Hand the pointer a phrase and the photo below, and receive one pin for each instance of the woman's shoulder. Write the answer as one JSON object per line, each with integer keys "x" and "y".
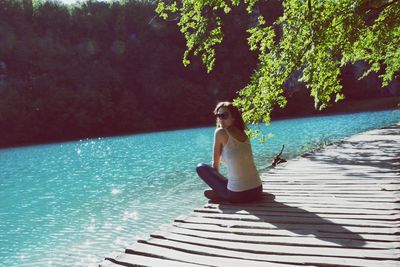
{"x": 220, "y": 130}
{"x": 221, "y": 134}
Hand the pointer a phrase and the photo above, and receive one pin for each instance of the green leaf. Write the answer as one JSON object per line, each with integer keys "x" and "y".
{"x": 317, "y": 40}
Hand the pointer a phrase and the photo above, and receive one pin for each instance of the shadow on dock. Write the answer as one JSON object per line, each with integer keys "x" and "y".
{"x": 296, "y": 220}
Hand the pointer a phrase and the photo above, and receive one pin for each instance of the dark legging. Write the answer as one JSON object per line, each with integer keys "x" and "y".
{"x": 219, "y": 184}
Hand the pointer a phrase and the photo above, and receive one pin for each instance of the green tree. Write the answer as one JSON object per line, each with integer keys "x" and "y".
{"x": 317, "y": 38}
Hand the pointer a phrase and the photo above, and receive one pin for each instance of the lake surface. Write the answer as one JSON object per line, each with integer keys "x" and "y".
{"x": 70, "y": 204}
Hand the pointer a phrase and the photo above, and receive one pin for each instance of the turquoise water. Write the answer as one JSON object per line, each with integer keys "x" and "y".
{"x": 70, "y": 204}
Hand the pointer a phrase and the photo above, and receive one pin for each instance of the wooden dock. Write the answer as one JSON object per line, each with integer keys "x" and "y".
{"x": 339, "y": 206}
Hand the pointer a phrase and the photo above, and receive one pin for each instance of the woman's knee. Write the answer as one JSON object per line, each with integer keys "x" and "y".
{"x": 201, "y": 167}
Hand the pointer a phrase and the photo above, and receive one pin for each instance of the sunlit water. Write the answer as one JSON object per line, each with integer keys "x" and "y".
{"x": 71, "y": 204}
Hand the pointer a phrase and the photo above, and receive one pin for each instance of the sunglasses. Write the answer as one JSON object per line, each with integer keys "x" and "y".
{"x": 222, "y": 116}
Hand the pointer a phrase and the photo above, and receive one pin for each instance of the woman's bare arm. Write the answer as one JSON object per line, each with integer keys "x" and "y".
{"x": 219, "y": 140}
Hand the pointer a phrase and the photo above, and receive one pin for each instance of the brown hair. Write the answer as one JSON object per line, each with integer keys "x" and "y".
{"x": 238, "y": 120}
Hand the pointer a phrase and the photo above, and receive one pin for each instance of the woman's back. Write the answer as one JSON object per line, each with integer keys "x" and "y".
{"x": 237, "y": 134}
{"x": 242, "y": 172}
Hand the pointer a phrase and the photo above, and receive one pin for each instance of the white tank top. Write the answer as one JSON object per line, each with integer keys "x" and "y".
{"x": 242, "y": 172}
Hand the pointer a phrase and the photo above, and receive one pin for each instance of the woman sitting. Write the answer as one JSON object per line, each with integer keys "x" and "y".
{"x": 233, "y": 146}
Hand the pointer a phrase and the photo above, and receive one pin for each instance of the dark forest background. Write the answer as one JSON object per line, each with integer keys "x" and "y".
{"x": 99, "y": 69}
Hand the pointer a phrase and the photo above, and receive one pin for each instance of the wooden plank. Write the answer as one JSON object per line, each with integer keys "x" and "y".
{"x": 353, "y": 173}
{"x": 330, "y": 228}
{"x": 337, "y": 199}
{"x": 344, "y": 170}
{"x": 295, "y": 207}
{"x": 367, "y": 177}
{"x": 289, "y": 240}
{"x": 338, "y": 203}
{"x": 289, "y": 209}
{"x": 391, "y": 253}
{"x": 267, "y": 213}
{"x": 309, "y": 206}
{"x": 339, "y": 175}
{"x": 268, "y": 185}
{"x": 329, "y": 179}
{"x": 183, "y": 253}
{"x": 356, "y": 194}
{"x": 391, "y": 198}
{"x": 140, "y": 260}
{"x": 284, "y": 180}
{"x": 108, "y": 263}
{"x": 354, "y": 187}
{"x": 331, "y": 175}
{"x": 304, "y": 202}
{"x": 319, "y": 169}
{"x": 314, "y": 170}
{"x": 284, "y": 232}
{"x": 321, "y": 190}
{"x": 311, "y": 219}
{"x": 267, "y": 256}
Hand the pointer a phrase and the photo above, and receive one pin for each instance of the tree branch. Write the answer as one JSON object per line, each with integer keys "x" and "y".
{"x": 379, "y": 9}
{"x": 309, "y": 10}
